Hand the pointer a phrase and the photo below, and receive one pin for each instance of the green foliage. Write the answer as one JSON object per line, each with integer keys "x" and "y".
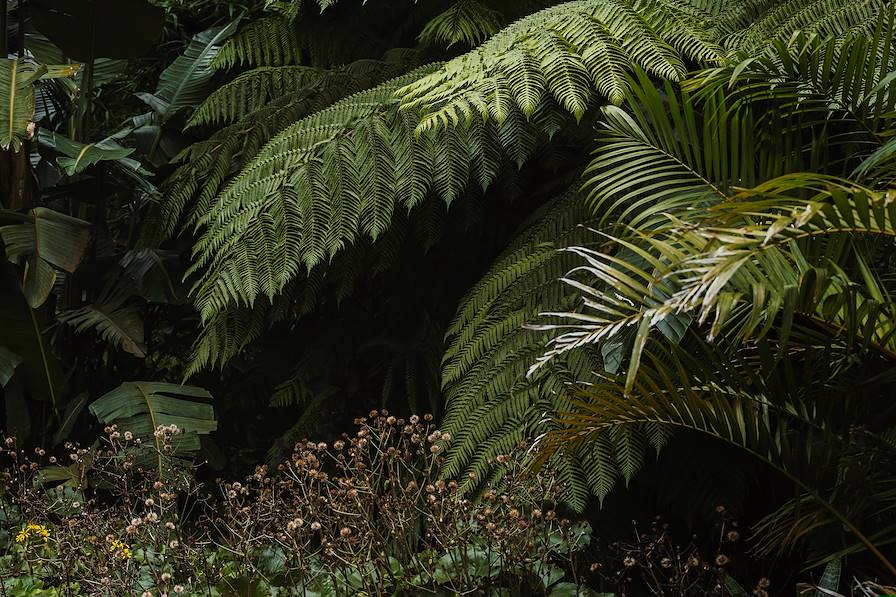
{"x": 563, "y": 52}
{"x": 779, "y": 276}
{"x": 208, "y": 164}
{"x": 253, "y": 90}
{"x": 46, "y": 240}
{"x": 271, "y": 42}
{"x": 467, "y": 21}
{"x": 146, "y": 409}
{"x": 118, "y": 324}
{"x": 184, "y": 83}
{"x": 266, "y": 227}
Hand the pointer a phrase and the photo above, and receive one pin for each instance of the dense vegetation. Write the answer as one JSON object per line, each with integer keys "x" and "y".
{"x": 642, "y": 250}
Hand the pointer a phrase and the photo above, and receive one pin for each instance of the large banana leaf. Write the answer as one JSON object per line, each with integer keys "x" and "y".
{"x": 17, "y": 100}
{"x": 78, "y": 156}
{"x": 183, "y": 84}
{"x": 46, "y": 240}
{"x": 22, "y": 332}
{"x": 141, "y": 407}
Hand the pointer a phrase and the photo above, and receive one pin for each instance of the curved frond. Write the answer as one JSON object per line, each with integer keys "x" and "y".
{"x": 252, "y": 90}
{"x": 118, "y": 324}
{"x": 753, "y": 403}
{"x": 210, "y": 163}
{"x": 467, "y": 21}
{"x": 270, "y": 42}
{"x": 490, "y": 403}
{"x": 563, "y": 52}
{"x": 331, "y": 178}
{"x": 777, "y": 21}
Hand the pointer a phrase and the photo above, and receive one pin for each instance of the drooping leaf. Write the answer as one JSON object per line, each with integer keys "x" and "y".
{"x": 79, "y": 156}
{"x": 142, "y": 407}
{"x": 183, "y": 84}
{"x": 117, "y": 323}
{"x": 46, "y": 241}
{"x": 24, "y": 333}
{"x": 16, "y": 100}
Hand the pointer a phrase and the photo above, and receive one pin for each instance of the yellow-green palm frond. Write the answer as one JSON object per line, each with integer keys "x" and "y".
{"x": 490, "y": 404}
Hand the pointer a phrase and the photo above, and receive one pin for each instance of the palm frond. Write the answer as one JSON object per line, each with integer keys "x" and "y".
{"x": 490, "y": 405}
{"x": 117, "y": 323}
{"x": 749, "y": 275}
{"x": 728, "y": 397}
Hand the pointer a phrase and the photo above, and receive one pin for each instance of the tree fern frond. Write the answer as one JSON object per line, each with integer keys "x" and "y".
{"x": 563, "y": 51}
{"x": 208, "y": 164}
{"x": 488, "y": 350}
{"x": 250, "y": 91}
{"x": 325, "y": 181}
{"x": 780, "y": 20}
{"x": 467, "y": 21}
{"x": 270, "y": 41}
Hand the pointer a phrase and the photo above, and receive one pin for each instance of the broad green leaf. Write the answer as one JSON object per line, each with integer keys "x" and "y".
{"x": 8, "y": 363}
{"x": 183, "y": 84}
{"x": 23, "y": 329}
{"x": 78, "y": 156}
{"x": 47, "y": 240}
{"x": 17, "y": 101}
{"x": 142, "y": 407}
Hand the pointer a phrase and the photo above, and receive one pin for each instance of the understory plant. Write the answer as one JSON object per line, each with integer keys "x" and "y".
{"x": 366, "y": 514}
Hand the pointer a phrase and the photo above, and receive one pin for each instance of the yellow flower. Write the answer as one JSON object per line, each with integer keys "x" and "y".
{"x": 121, "y": 549}
{"x": 32, "y": 530}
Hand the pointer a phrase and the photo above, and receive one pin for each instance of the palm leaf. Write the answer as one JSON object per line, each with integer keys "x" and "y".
{"x": 727, "y": 397}
{"x": 118, "y": 324}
